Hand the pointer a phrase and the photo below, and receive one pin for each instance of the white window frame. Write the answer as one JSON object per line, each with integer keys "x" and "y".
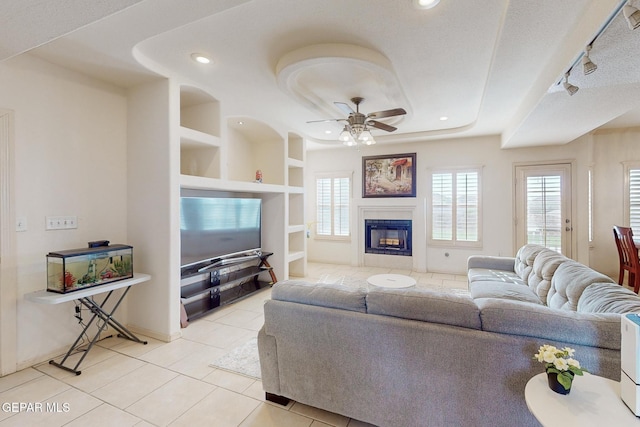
{"x": 590, "y": 201}
{"x": 628, "y": 167}
{"x": 333, "y": 175}
{"x": 454, "y": 242}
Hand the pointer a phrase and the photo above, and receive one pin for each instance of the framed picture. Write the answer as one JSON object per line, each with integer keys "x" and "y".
{"x": 391, "y": 175}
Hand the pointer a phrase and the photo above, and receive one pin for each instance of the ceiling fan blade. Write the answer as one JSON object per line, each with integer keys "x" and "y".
{"x": 344, "y": 107}
{"x": 387, "y": 113}
{"x": 328, "y": 120}
{"x": 380, "y": 125}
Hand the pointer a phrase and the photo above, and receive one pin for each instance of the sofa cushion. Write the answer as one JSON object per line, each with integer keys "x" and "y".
{"x": 507, "y": 291}
{"x": 608, "y": 298}
{"x": 491, "y": 262}
{"x": 321, "y": 294}
{"x": 548, "y": 324}
{"x": 524, "y": 260}
{"x": 425, "y": 305}
{"x": 569, "y": 281}
{"x": 544, "y": 266}
{"x": 486, "y": 274}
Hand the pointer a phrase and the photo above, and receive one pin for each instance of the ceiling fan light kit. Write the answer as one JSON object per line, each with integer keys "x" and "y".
{"x": 357, "y": 127}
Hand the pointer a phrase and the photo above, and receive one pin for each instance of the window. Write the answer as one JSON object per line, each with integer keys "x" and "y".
{"x": 632, "y": 195}
{"x": 455, "y": 207}
{"x": 332, "y": 206}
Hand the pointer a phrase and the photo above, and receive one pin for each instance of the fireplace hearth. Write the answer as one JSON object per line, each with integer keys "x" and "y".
{"x": 387, "y": 236}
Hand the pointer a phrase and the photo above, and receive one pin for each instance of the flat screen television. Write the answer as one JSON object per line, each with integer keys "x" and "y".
{"x": 216, "y": 225}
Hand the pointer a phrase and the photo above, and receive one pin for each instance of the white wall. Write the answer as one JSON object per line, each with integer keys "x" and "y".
{"x": 610, "y": 150}
{"x": 70, "y": 156}
{"x": 497, "y": 193}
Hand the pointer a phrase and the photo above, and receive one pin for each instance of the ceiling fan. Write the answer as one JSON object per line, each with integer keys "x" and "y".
{"x": 357, "y": 127}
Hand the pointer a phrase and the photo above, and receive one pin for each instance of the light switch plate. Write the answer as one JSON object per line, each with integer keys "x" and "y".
{"x": 61, "y": 222}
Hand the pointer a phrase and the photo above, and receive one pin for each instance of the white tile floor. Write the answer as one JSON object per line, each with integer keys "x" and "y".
{"x": 128, "y": 384}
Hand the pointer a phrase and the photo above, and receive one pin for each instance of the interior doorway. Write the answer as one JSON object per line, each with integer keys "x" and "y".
{"x": 543, "y": 206}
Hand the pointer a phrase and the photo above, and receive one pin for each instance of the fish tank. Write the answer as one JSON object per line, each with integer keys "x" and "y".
{"x": 76, "y": 269}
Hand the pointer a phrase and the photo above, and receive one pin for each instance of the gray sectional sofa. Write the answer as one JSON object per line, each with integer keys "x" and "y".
{"x": 418, "y": 357}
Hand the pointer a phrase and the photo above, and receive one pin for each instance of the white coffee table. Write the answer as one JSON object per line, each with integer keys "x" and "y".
{"x": 394, "y": 281}
{"x": 593, "y": 401}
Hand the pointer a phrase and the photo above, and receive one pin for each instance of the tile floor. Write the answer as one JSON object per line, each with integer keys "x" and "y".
{"x": 171, "y": 384}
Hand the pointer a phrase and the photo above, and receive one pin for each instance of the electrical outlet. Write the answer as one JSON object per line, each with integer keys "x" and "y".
{"x": 61, "y": 222}
{"x": 21, "y": 223}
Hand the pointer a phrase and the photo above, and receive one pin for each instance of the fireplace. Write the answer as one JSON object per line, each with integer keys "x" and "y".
{"x": 387, "y": 236}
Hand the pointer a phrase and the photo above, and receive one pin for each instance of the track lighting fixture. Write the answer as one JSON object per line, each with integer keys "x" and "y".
{"x": 587, "y": 65}
{"x": 571, "y": 89}
{"x": 632, "y": 15}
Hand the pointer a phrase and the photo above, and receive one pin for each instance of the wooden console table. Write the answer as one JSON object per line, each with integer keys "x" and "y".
{"x": 85, "y": 297}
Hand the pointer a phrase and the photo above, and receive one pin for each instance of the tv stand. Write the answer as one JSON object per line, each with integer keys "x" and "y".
{"x": 223, "y": 282}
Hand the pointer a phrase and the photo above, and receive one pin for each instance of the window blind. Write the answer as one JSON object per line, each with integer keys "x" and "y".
{"x": 544, "y": 213}
{"x": 332, "y": 206}
{"x": 467, "y": 206}
{"x": 455, "y": 208}
{"x": 634, "y": 198}
{"x": 442, "y": 206}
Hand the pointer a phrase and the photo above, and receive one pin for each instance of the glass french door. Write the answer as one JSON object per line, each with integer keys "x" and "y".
{"x": 543, "y": 206}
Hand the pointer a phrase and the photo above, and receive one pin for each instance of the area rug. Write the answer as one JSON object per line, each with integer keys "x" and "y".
{"x": 241, "y": 360}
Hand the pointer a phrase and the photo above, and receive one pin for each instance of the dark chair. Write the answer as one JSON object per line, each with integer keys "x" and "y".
{"x": 628, "y": 253}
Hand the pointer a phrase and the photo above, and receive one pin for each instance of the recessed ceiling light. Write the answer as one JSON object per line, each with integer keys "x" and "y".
{"x": 240, "y": 122}
{"x": 444, "y": 118}
{"x": 425, "y": 4}
{"x": 200, "y": 58}
{"x": 328, "y": 132}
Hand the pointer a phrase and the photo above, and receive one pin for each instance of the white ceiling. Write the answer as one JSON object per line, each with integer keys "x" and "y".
{"x": 491, "y": 66}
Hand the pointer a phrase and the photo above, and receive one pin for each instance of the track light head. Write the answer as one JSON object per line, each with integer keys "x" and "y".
{"x": 587, "y": 65}
{"x": 632, "y": 15}
{"x": 571, "y": 89}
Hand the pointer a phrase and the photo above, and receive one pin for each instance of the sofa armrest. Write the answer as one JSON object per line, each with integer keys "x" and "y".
{"x": 491, "y": 262}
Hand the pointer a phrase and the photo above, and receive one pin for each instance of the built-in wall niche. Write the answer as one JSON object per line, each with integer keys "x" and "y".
{"x": 199, "y": 111}
{"x": 295, "y": 160}
{"x": 252, "y": 146}
{"x": 296, "y": 209}
{"x": 298, "y": 268}
{"x": 295, "y": 145}
{"x": 296, "y": 245}
{"x": 199, "y": 134}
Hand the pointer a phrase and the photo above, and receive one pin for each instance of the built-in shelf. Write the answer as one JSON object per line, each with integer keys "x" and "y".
{"x": 225, "y": 153}
{"x": 295, "y": 163}
{"x": 204, "y": 183}
{"x": 191, "y": 138}
{"x": 293, "y": 256}
{"x": 200, "y": 153}
{"x": 295, "y": 228}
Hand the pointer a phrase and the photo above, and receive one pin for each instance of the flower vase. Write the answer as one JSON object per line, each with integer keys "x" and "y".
{"x": 555, "y": 385}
